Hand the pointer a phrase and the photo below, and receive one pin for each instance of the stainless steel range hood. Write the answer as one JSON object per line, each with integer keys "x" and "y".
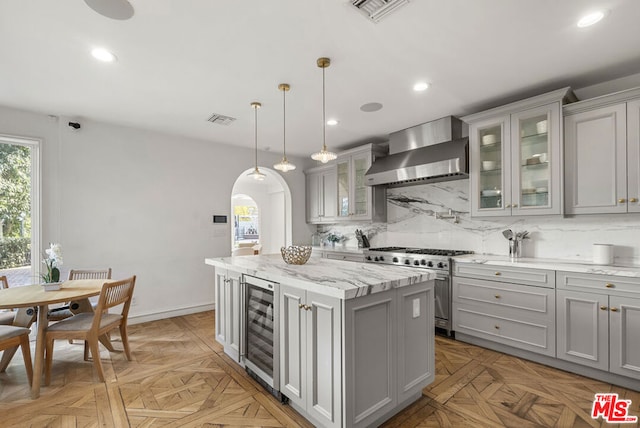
{"x": 427, "y": 153}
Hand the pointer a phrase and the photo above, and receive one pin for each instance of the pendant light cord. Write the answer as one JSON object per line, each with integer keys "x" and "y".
{"x": 256, "y": 133}
{"x": 284, "y": 124}
{"x": 324, "y": 122}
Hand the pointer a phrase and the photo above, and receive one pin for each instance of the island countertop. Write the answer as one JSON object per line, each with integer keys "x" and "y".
{"x": 341, "y": 279}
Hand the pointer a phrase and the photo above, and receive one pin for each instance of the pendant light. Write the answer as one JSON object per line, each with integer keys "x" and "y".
{"x": 256, "y": 174}
{"x": 323, "y": 155}
{"x": 284, "y": 165}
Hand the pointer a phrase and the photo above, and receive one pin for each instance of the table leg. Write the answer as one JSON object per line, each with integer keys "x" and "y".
{"x": 24, "y": 318}
{"x": 39, "y": 357}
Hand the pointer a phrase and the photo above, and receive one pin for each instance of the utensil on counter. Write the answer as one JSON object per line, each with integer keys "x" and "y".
{"x": 508, "y": 233}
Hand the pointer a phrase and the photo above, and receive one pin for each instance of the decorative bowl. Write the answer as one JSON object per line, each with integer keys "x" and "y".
{"x": 296, "y": 254}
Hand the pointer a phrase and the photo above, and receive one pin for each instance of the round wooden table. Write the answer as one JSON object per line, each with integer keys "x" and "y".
{"x": 30, "y": 296}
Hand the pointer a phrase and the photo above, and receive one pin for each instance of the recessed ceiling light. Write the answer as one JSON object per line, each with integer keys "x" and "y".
{"x": 102, "y": 54}
{"x": 421, "y": 86}
{"x": 591, "y": 18}
{"x": 332, "y": 122}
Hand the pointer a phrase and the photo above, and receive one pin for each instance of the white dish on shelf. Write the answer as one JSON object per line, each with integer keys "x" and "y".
{"x": 542, "y": 156}
{"x": 541, "y": 126}
{"x": 488, "y": 165}
{"x": 488, "y": 139}
{"x": 541, "y": 190}
{"x": 491, "y": 192}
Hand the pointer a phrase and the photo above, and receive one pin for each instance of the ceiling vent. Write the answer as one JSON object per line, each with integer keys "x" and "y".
{"x": 375, "y": 10}
{"x": 221, "y": 119}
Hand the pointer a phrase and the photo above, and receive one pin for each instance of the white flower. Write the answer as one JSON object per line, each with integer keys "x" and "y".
{"x": 54, "y": 254}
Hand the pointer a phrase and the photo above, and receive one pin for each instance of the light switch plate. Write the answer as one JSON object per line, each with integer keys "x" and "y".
{"x": 416, "y": 308}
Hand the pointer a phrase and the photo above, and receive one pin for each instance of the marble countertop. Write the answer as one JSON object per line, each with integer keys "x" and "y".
{"x": 559, "y": 265}
{"x": 335, "y": 278}
{"x": 339, "y": 249}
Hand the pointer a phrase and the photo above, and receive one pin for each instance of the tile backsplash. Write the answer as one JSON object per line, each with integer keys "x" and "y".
{"x": 411, "y": 221}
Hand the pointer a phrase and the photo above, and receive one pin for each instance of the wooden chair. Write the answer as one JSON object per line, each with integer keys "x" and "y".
{"x": 12, "y": 336}
{"x": 6, "y": 317}
{"x": 64, "y": 312}
{"x": 91, "y": 326}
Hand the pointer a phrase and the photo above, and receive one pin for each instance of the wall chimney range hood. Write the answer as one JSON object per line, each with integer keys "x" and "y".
{"x": 428, "y": 153}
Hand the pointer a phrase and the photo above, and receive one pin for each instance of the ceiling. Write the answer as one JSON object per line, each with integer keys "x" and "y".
{"x": 180, "y": 61}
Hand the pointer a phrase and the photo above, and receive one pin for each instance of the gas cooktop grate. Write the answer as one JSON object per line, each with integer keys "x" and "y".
{"x": 425, "y": 251}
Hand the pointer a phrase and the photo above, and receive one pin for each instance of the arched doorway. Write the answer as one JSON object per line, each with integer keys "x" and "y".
{"x": 263, "y": 207}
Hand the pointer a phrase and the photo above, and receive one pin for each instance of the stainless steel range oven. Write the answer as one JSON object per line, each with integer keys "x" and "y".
{"x": 260, "y": 353}
{"x": 437, "y": 260}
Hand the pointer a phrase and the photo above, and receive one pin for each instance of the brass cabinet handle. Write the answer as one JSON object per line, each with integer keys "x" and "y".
{"x": 614, "y": 309}
{"x": 307, "y": 307}
{"x": 497, "y": 296}
{"x": 300, "y": 306}
{"x": 609, "y": 285}
{"x": 622, "y": 200}
{"x": 603, "y": 308}
{"x": 498, "y": 274}
{"x": 497, "y": 327}
{"x": 633, "y": 199}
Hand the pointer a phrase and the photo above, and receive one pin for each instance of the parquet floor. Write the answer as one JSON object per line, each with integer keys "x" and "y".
{"x": 179, "y": 377}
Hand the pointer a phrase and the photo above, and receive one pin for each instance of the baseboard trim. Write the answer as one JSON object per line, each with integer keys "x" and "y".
{"x": 154, "y": 316}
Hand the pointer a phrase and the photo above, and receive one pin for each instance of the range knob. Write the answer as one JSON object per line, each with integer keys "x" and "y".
{"x": 430, "y": 263}
{"x": 381, "y": 258}
{"x": 440, "y": 264}
{"x": 368, "y": 257}
{"x": 423, "y": 262}
{"x": 376, "y": 258}
{"x": 395, "y": 260}
{"x": 416, "y": 262}
{"x": 407, "y": 262}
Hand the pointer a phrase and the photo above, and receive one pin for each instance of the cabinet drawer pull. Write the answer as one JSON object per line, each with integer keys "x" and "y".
{"x": 633, "y": 199}
{"x": 609, "y": 285}
{"x": 498, "y": 274}
{"x": 603, "y": 308}
{"x": 497, "y": 296}
{"x": 614, "y": 309}
{"x": 497, "y": 327}
{"x": 622, "y": 200}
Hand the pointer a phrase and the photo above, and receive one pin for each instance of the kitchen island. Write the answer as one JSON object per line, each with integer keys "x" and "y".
{"x": 353, "y": 343}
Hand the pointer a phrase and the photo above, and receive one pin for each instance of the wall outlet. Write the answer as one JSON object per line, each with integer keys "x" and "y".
{"x": 416, "y": 308}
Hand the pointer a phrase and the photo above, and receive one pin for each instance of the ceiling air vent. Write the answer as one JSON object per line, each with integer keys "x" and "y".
{"x": 221, "y": 119}
{"x": 377, "y": 9}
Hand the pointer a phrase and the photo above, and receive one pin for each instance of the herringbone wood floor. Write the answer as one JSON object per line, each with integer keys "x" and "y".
{"x": 179, "y": 377}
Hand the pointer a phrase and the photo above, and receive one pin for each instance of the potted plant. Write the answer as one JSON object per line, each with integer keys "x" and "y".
{"x": 52, "y": 260}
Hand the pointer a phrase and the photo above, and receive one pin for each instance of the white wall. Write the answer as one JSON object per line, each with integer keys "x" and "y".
{"x": 141, "y": 202}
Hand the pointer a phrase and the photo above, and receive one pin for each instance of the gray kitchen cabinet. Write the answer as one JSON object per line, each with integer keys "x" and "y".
{"x": 502, "y": 311}
{"x": 516, "y": 157}
{"x": 602, "y": 154}
{"x": 598, "y": 322}
{"x": 357, "y": 201}
{"x": 311, "y": 350}
{"x": 228, "y": 313}
{"x": 321, "y": 194}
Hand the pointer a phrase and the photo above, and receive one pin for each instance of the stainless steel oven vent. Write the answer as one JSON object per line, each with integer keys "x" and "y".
{"x": 221, "y": 119}
{"x": 375, "y": 10}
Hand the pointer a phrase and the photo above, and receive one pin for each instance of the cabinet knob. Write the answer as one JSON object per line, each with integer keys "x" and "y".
{"x": 603, "y": 308}
{"x": 497, "y": 327}
{"x": 307, "y": 307}
{"x": 300, "y": 306}
{"x": 497, "y": 296}
{"x": 633, "y": 199}
{"x": 498, "y": 274}
{"x": 609, "y": 285}
{"x": 614, "y": 309}
{"x": 622, "y": 200}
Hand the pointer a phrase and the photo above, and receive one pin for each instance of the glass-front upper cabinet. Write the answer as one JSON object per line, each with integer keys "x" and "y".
{"x": 490, "y": 166}
{"x": 357, "y": 201}
{"x": 515, "y": 157}
{"x": 536, "y": 161}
